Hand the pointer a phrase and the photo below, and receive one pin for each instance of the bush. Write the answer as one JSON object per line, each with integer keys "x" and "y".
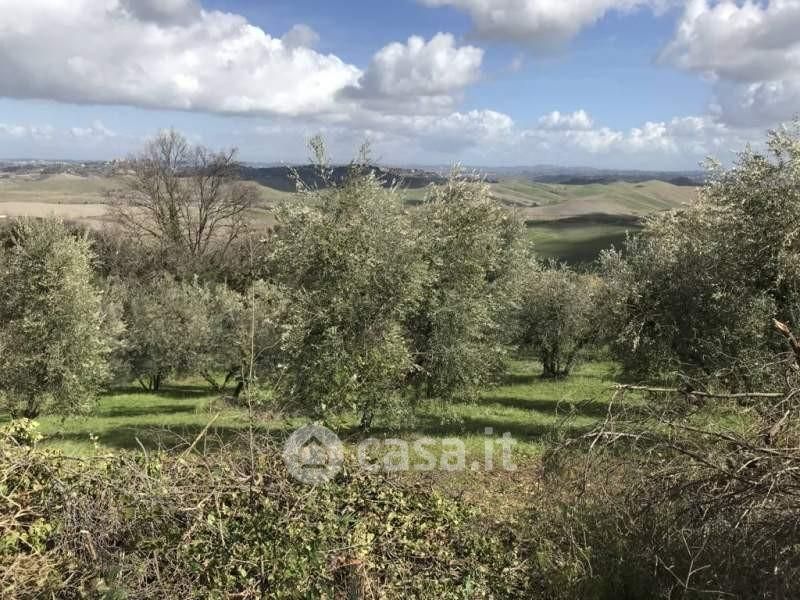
{"x": 56, "y": 330}
{"x": 698, "y": 289}
{"x": 161, "y": 526}
{"x": 662, "y": 502}
{"x": 560, "y": 317}
{"x": 244, "y": 335}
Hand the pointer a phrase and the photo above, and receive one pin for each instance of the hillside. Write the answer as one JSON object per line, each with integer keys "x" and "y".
{"x": 566, "y": 222}
{"x": 546, "y": 202}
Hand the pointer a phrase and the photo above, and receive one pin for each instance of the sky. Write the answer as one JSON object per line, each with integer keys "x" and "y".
{"x": 638, "y": 84}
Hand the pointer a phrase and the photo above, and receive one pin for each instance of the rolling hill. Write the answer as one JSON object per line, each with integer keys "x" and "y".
{"x": 566, "y": 222}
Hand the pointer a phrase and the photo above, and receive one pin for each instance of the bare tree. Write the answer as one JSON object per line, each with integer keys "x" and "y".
{"x": 187, "y": 199}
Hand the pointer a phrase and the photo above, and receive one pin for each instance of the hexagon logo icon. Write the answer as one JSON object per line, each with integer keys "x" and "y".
{"x": 313, "y": 454}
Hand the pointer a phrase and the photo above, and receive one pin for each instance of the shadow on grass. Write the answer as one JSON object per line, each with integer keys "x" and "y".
{"x": 173, "y": 392}
{"x": 139, "y": 411}
{"x": 512, "y": 379}
{"x": 594, "y": 409}
{"x": 520, "y": 379}
{"x": 153, "y": 436}
{"x": 470, "y": 426}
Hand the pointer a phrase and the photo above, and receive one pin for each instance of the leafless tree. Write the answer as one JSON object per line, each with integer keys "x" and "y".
{"x": 187, "y": 199}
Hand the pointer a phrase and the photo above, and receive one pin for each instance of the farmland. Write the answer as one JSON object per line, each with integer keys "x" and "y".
{"x": 566, "y": 222}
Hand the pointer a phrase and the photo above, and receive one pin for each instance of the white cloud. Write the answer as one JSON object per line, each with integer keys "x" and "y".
{"x": 543, "y": 24}
{"x": 127, "y": 52}
{"x": 167, "y": 12}
{"x": 300, "y": 36}
{"x": 455, "y": 132}
{"x": 557, "y": 120}
{"x": 14, "y": 131}
{"x": 678, "y": 143}
{"x": 750, "y": 50}
{"x": 96, "y": 131}
{"x": 30, "y": 132}
{"x": 423, "y": 75}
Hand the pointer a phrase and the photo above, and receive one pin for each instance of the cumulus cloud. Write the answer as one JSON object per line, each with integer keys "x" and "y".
{"x": 300, "y": 36}
{"x": 166, "y": 12}
{"x": 423, "y": 74}
{"x": 557, "y": 120}
{"x": 454, "y": 132}
{"x": 680, "y": 142}
{"x": 213, "y": 62}
{"x": 543, "y": 24}
{"x": 32, "y": 132}
{"x": 750, "y": 50}
{"x": 96, "y": 131}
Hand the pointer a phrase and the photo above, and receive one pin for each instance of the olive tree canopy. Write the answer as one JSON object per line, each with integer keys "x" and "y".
{"x": 56, "y": 329}
{"x": 697, "y": 291}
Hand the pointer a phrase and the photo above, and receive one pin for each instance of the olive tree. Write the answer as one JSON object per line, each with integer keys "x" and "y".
{"x": 559, "y": 316}
{"x": 348, "y": 261}
{"x": 472, "y": 248}
{"x": 56, "y": 330}
{"x": 696, "y": 292}
{"x": 244, "y": 334}
{"x": 167, "y": 329}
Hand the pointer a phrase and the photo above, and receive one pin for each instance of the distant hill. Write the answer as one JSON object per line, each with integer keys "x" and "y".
{"x": 548, "y": 201}
{"x": 569, "y": 221}
{"x": 284, "y": 178}
{"x": 588, "y": 175}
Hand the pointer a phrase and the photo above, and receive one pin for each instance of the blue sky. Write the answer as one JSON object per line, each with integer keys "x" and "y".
{"x": 607, "y": 83}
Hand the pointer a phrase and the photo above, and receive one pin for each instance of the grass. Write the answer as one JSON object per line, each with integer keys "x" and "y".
{"x": 577, "y": 241}
{"x": 524, "y": 405}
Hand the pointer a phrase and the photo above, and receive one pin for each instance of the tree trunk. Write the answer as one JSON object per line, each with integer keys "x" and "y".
{"x": 366, "y": 419}
{"x": 31, "y": 409}
{"x": 155, "y": 382}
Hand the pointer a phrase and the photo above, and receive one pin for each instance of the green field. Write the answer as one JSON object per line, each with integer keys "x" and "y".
{"x": 578, "y": 241}
{"x": 524, "y": 405}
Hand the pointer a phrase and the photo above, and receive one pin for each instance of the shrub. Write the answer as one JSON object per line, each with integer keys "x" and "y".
{"x": 660, "y": 501}
{"x": 244, "y": 335}
{"x": 219, "y": 526}
{"x": 56, "y": 333}
{"x": 167, "y": 329}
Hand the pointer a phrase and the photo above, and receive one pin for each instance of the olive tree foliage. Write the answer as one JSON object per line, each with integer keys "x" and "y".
{"x": 696, "y": 292}
{"x": 57, "y": 331}
{"x": 347, "y": 258}
{"x": 178, "y": 328}
{"x": 167, "y": 329}
{"x": 560, "y": 316}
{"x": 186, "y": 201}
{"x": 243, "y": 335}
{"x": 473, "y": 251}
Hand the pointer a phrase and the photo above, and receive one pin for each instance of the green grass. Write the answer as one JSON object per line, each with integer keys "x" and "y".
{"x": 524, "y": 405}
{"x": 577, "y": 242}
